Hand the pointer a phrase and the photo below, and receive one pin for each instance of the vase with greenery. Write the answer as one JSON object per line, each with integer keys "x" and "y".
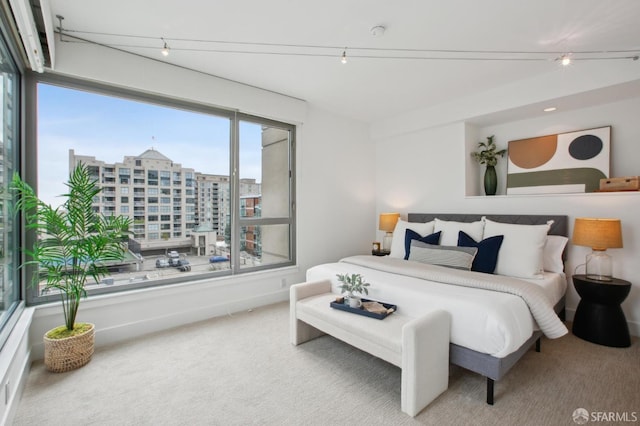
{"x": 488, "y": 155}
{"x": 73, "y": 243}
{"x": 352, "y": 284}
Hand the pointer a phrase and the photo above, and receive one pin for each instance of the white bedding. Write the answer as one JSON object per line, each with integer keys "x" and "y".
{"x": 484, "y": 321}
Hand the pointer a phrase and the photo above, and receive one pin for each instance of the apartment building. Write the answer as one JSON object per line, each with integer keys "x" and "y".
{"x": 212, "y": 195}
{"x": 165, "y": 200}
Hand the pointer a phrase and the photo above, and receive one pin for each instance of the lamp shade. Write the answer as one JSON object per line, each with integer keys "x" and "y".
{"x": 388, "y": 221}
{"x": 599, "y": 234}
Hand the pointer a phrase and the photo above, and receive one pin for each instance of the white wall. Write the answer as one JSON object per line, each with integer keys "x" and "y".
{"x": 336, "y": 189}
{"x": 418, "y": 169}
{"x": 424, "y": 171}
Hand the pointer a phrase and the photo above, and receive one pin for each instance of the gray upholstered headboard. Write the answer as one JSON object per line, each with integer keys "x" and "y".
{"x": 559, "y": 226}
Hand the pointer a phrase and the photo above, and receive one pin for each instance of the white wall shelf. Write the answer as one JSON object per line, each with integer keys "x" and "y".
{"x": 571, "y": 194}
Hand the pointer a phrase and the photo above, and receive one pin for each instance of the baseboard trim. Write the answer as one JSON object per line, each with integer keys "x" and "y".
{"x": 130, "y": 330}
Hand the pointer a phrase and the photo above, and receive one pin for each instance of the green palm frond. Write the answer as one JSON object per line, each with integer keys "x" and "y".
{"x": 73, "y": 241}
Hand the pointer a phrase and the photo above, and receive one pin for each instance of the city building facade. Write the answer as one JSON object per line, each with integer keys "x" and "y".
{"x": 167, "y": 203}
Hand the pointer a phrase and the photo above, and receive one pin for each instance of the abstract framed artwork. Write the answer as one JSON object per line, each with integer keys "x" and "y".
{"x": 563, "y": 163}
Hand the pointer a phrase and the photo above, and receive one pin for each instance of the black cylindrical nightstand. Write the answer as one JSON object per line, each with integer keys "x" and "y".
{"x": 599, "y": 317}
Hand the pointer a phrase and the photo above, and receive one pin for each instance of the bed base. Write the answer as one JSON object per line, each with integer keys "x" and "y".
{"x": 488, "y": 366}
{"x": 491, "y": 367}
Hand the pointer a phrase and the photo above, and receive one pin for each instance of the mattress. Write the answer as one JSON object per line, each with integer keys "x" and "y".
{"x": 484, "y": 321}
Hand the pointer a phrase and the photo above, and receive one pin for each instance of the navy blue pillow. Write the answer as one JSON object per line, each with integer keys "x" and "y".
{"x": 487, "y": 256}
{"x": 410, "y": 235}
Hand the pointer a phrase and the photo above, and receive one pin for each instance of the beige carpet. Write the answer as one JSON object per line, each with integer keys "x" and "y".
{"x": 241, "y": 369}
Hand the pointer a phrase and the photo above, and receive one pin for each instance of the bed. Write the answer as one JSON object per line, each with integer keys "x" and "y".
{"x": 490, "y": 330}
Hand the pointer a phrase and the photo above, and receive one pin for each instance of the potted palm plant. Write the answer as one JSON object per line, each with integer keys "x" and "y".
{"x": 73, "y": 243}
{"x": 488, "y": 154}
{"x": 352, "y": 284}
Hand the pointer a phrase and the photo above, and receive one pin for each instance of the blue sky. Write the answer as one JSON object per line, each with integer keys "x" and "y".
{"x": 110, "y": 128}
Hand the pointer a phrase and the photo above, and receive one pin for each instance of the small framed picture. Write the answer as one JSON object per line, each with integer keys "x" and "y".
{"x": 376, "y": 246}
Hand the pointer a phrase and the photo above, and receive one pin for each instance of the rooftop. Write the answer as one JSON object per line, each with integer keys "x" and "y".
{"x": 152, "y": 154}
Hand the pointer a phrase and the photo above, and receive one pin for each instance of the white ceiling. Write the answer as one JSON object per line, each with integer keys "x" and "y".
{"x": 364, "y": 88}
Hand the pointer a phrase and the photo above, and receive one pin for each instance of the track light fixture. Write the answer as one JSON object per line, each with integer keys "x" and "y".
{"x": 165, "y": 49}
{"x": 138, "y": 41}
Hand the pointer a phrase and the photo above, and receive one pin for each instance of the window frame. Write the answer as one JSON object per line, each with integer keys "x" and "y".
{"x": 241, "y": 221}
{"x": 234, "y": 117}
{"x": 12, "y": 42}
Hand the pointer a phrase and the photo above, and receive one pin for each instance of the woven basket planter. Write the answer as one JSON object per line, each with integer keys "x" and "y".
{"x": 67, "y": 354}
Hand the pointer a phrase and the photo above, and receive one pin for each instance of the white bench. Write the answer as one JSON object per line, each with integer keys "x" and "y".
{"x": 419, "y": 346}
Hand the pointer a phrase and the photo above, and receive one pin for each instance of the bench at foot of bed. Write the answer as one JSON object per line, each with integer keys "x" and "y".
{"x": 419, "y": 346}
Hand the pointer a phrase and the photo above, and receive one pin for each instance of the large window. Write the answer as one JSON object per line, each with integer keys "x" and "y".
{"x": 177, "y": 159}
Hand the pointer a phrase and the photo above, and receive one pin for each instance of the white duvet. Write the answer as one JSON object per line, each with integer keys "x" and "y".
{"x": 485, "y": 321}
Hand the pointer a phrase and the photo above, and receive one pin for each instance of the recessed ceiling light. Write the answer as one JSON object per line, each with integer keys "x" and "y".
{"x": 550, "y": 109}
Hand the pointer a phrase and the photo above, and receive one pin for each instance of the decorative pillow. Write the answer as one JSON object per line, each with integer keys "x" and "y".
{"x": 552, "y": 253}
{"x": 488, "y": 249}
{"x": 411, "y": 236}
{"x": 522, "y": 247}
{"x": 449, "y": 256}
{"x": 451, "y": 228}
{"x": 397, "y": 243}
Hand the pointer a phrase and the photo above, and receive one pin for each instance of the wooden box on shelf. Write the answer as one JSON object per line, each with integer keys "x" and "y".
{"x": 629, "y": 183}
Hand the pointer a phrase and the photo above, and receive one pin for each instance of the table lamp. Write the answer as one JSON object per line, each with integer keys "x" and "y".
{"x": 599, "y": 234}
{"x": 388, "y": 224}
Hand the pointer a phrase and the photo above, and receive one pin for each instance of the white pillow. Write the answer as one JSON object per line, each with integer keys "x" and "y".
{"x": 521, "y": 253}
{"x": 449, "y": 256}
{"x": 397, "y": 243}
{"x": 552, "y": 253}
{"x": 450, "y": 230}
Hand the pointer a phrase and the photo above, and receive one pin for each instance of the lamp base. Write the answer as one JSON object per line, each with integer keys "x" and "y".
{"x": 598, "y": 266}
{"x": 386, "y": 241}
